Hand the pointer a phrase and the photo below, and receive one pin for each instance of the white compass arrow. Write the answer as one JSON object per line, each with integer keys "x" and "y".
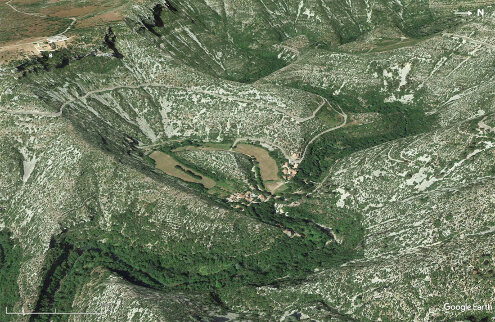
{"x": 467, "y": 13}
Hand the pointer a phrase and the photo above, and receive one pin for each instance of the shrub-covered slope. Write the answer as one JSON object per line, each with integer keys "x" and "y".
{"x": 384, "y": 108}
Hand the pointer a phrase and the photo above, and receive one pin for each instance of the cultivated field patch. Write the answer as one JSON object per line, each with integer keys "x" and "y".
{"x": 170, "y": 166}
{"x": 267, "y": 165}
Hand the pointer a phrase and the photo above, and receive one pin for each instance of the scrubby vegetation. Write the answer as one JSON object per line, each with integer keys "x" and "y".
{"x": 396, "y": 122}
{"x": 9, "y": 270}
{"x": 386, "y": 217}
{"x": 72, "y": 257}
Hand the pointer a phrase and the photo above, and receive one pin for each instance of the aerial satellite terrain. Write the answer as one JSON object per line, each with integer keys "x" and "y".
{"x": 247, "y": 160}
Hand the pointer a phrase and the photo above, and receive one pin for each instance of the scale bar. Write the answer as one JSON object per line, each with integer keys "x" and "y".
{"x": 52, "y": 313}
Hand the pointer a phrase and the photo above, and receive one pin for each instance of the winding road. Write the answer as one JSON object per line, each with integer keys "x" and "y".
{"x": 150, "y": 85}
{"x": 73, "y": 21}
{"x": 286, "y": 155}
{"x": 189, "y": 89}
{"x": 25, "y": 13}
{"x": 467, "y": 38}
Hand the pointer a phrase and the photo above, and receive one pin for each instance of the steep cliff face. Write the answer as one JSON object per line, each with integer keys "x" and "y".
{"x": 383, "y": 108}
{"x": 245, "y": 40}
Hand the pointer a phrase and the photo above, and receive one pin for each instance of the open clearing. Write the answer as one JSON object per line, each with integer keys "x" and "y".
{"x": 26, "y": 22}
{"x": 267, "y": 165}
{"x": 17, "y": 26}
{"x": 170, "y": 166}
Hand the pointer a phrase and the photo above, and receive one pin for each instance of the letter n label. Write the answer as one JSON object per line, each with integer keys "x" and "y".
{"x": 481, "y": 12}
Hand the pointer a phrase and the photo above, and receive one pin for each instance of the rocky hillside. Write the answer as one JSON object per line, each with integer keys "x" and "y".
{"x": 384, "y": 109}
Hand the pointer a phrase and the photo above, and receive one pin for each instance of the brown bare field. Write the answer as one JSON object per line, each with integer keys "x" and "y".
{"x": 30, "y": 21}
{"x": 100, "y": 19}
{"x": 71, "y": 12}
{"x": 33, "y": 48}
{"x": 167, "y": 164}
{"x": 21, "y": 2}
{"x": 273, "y": 186}
{"x": 17, "y": 26}
{"x": 13, "y": 53}
{"x": 268, "y": 166}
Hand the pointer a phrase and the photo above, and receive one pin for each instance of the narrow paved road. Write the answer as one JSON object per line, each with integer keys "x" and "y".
{"x": 286, "y": 155}
{"x": 343, "y": 114}
{"x": 467, "y": 38}
{"x": 189, "y": 89}
{"x": 25, "y": 13}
